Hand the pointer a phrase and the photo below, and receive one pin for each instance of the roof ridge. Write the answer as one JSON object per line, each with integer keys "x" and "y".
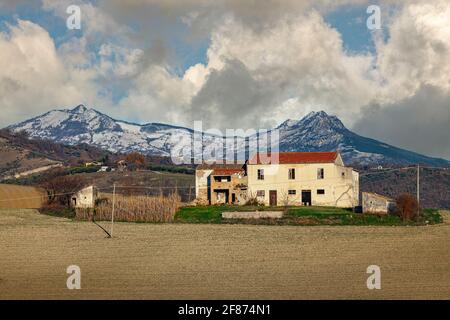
{"x": 297, "y": 157}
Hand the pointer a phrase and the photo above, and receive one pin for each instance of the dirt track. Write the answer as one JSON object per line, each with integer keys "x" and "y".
{"x": 177, "y": 261}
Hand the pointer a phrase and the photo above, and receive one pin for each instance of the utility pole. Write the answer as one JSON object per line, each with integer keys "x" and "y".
{"x": 418, "y": 189}
{"x": 112, "y": 213}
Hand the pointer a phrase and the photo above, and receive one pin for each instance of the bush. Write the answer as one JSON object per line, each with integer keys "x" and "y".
{"x": 407, "y": 207}
{"x": 83, "y": 169}
{"x": 253, "y": 201}
{"x": 57, "y": 210}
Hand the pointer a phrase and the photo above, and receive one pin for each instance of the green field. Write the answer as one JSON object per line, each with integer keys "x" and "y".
{"x": 300, "y": 216}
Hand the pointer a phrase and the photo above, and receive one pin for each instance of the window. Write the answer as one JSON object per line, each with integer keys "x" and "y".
{"x": 260, "y": 174}
{"x": 320, "y": 191}
{"x": 222, "y": 178}
{"x": 343, "y": 174}
{"x": 320, "y": 173}
{"x": 260, "y": 193}
{"x": 292, "y": 192}
{"x": 291, "y": 174}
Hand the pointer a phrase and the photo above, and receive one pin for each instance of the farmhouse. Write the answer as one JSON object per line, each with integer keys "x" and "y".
{"x": 288, "y": 178}
{"x": 303, "y": 178}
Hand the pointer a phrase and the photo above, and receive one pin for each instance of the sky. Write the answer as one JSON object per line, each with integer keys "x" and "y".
{"x": 235, "y": 64}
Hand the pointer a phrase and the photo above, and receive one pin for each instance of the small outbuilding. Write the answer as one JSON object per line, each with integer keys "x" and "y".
{"x": 374, "y": 203}
{"x": 85, "y": 198}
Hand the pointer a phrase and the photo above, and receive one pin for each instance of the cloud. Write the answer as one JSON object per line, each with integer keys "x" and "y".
{"x": 417, "y": 52}
{"x": 250, "y": 75}
{"x": 420, "y": 123}
{"x": 33, "y": 76}
{"x": 412, "y": 106}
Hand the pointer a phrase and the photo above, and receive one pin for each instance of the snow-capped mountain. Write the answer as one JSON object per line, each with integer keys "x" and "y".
{"x": 315, "y": 132}
{"x": 319, "y": 131}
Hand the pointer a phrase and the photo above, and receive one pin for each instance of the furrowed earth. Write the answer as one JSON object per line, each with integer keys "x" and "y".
{"x": 207, "y": 261}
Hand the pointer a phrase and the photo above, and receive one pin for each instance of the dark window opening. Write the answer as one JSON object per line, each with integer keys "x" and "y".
{"x": 222, "y": 178}
{"x": 320, "y": 191}
{"x": 292, "y": 174}
{"x": 320, "y": 173}
{"x": 260, "y": 174}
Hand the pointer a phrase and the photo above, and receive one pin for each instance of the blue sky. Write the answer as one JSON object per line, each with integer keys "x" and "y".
{"x": 350, "y": 21}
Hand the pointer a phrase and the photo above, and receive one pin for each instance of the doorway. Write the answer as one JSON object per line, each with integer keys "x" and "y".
{"x": 306, "y": 197}
{"x": 273, "y": 197}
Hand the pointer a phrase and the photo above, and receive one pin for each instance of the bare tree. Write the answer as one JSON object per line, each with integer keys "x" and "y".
{"x": 285, "y": 200}
{"x": 135, "y": 160}
{"x": 60, "y": 189}
{"x": 407, "y": 206}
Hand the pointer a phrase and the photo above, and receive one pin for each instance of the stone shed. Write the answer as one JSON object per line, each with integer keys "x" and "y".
{"x": 85, "y": 198}
{"x": 374, "y": 203}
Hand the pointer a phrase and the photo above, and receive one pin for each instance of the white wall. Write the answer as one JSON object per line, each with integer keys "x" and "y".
{"x": 201, "y": 181}
{"x": 340, "y": 191}
{"x": 85, "y": 198}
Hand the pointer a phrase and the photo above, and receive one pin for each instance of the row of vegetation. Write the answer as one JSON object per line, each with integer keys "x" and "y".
{"x": 407, "y": 213}
{"x": 303, "y": 216}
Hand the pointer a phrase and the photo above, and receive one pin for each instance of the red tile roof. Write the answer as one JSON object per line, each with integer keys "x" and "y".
{"x": 295, "y": 157}
{"x": 225, "y": 172}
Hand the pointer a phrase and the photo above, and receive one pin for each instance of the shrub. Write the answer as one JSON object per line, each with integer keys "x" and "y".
{"x": 83, "y": 169}
{"x": 253, "y": 201}
{"x": 407, "y": 207}
{"x": 57, "y": 210}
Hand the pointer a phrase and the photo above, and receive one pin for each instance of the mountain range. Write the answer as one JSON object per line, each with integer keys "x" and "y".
{"x": 317, "y": 131}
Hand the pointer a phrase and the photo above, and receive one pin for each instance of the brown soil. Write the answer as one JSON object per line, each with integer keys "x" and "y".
{"x": 189, "y": 261}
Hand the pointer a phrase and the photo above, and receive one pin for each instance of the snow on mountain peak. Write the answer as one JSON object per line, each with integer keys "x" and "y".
{"x": 288, "y": 123}
{"x": 79, "y": 109}
{"x": 321, "y": 120}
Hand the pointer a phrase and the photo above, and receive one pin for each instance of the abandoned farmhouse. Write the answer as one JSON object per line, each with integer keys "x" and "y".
{"x": 295, "y": 178}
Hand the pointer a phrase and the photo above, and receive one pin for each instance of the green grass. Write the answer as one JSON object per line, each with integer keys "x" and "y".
{"x": 318, "y": 211}
{"x": 212, "y": 214}
{"x": 301, "y": 216}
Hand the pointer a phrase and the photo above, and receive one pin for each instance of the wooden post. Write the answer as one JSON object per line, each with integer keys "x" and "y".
{"x": 418, "y": 189}
{"x": 112, "y": 213}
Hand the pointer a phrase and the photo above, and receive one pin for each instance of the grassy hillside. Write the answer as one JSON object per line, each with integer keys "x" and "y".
{"x": 434, "y": 184}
